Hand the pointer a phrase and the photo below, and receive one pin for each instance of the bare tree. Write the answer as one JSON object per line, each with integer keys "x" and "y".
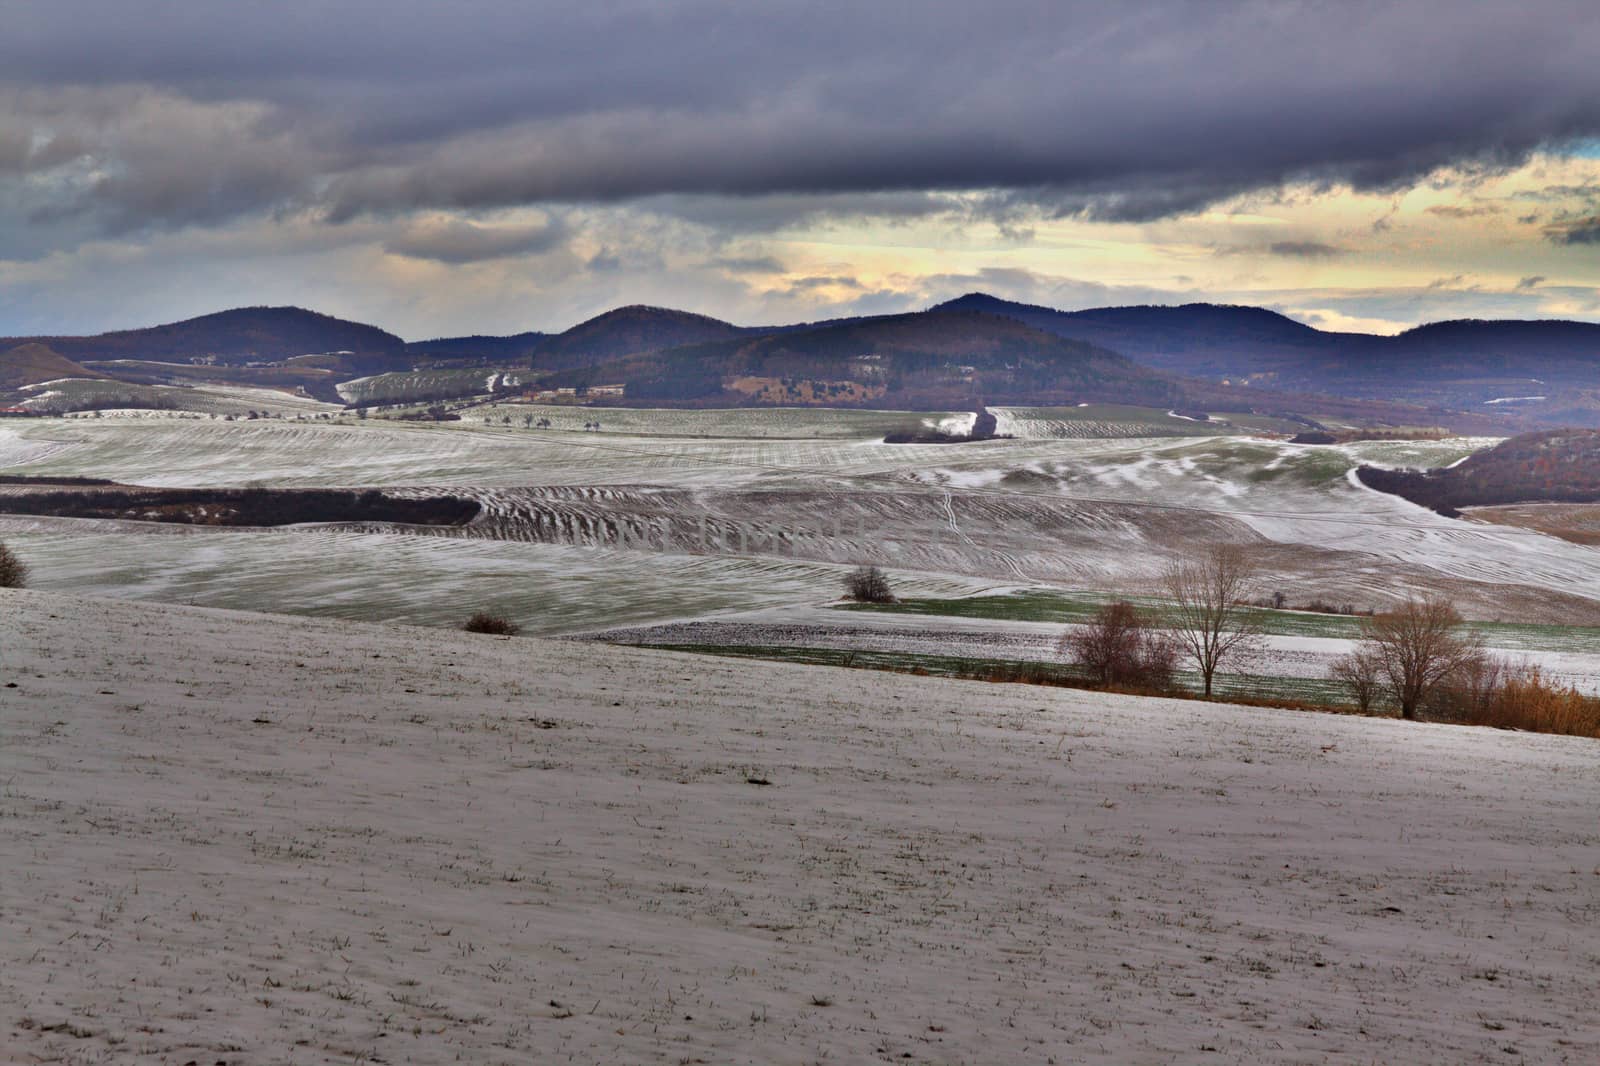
{"x": 868, "y": 584}
{"x": 13, "y": 571}
{"x": 1419, "y": 646}
{"x": 1362, "y": 673}
{"x": 1211, "y": 620}
{"x": 1121, "y": 645}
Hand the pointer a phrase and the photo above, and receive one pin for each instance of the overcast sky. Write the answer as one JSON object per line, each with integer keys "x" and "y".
{"x": 496, "y": 166}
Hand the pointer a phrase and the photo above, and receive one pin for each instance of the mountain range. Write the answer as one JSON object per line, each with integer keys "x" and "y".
{"x": 1461, "y": 363}
{"x": 972, "y": 350}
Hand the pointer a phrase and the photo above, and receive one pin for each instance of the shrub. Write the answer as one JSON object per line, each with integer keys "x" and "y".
{"x": 868, "y": 584}
{"x": 484, "y": 622}
{"x": 13, "y": 571}
{"x": 1519, "y": 697}
{"x": 1121, "y": 646}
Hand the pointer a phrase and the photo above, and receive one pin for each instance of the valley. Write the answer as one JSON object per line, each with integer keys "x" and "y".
{"x": 690, "y": 533}
{"x": 733, "y": 529}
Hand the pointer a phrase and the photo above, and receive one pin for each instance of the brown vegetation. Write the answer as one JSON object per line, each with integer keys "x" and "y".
{"x": 804, "y": 392}
{"x": 1122, "y": 646}
{"x": 1418, "y": 647}
{"x": 1521, "y": 698}
{"x": 1561, "y": 466}
{"x": 493, "y": 624}
{"x": 31, "y": 364}
{"x": 1575, "y": 522}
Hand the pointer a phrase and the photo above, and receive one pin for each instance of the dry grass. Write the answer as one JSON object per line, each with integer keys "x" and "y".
{"x": 1578, "y": 523}
{"x": 1528, "y": 702}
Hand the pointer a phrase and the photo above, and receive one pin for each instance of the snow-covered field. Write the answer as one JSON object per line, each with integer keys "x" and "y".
{"x": 234, "y": 838}
{"x": 1278, "y": 656}
{"x": 170, "y": 401}
{"x": 412, "y": 385}
{"x": 420, "y": 580}
{"x": 793, "y": 495}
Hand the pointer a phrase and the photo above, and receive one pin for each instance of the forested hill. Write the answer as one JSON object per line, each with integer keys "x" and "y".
{"x": 478, "y": 348}
{"x": 926, "y": 360}
{"x": 1546, "y": 368}
{"x": 1200, "y": 339}
{"x": 1556, "y": 466}
{"x": 629, "y": 331}
{"x": 242, "y": 335}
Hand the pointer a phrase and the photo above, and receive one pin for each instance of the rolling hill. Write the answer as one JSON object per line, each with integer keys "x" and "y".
{"x": 1547, "y": 369}
{"x": 32, "y": 363}
{"x": 1557, "y": 466}
{"x": 629, "y": 331}
{"x": 934, "y": 360}
{"x": 478, "y": 347}
{"x": 1501, "y": 376}
{"x": 242, "y": 335}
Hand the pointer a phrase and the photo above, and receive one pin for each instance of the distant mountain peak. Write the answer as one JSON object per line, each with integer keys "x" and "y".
{"x": 235, "y": 335}
{"x": 630, "y": 330}
{"x": 983, "y": 301}
{"x": 648, "y": 311}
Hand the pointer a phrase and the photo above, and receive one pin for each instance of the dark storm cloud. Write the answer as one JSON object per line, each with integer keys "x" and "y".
{"x": 196, "y": 111}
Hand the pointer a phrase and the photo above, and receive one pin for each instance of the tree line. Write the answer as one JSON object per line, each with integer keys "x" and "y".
{"x": 1558, "y": 466}
{"x": 1418, "y": 660}
{"x": 242, "y": 507}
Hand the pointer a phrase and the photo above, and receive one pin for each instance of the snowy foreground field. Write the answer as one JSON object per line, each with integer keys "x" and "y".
{"x": 235, "y": 838}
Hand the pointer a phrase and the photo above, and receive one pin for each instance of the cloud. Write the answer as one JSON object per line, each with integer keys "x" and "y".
{"x": 753, "y": 264}
{"x": 1304, "y": 249}
{"x": 823, "y": 281}
{"x": 1073, "y": 109}
{"x": 1575, "y": 231}
{"x": 449, "y": 240}
{"x": 1464, "y": 210}
{"x": 1529, "y": 283}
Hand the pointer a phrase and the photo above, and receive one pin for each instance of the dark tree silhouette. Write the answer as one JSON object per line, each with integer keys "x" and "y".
{"x": 868, "y": 584}
{"x": 13, "y": 571}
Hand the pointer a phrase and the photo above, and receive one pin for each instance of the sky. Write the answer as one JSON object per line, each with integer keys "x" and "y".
{"x": 490, "y": 166}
